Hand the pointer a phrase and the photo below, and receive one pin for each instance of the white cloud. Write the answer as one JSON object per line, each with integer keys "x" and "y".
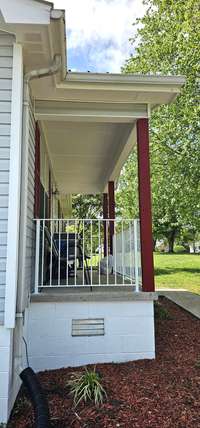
{"x": 103, "y": 28}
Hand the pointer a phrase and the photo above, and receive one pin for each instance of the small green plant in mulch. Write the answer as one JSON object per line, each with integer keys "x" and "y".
{"x": 197, "y": 363}
{"x": 86, "y": 386}
{"x": 160, "y": 312}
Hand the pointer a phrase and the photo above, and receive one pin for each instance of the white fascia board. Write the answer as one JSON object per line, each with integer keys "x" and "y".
{"x": 92, "y": 112}
{"x": 89, "y": 118}
{"x": 25, "y": 11}
{"x": 14, "y": 187}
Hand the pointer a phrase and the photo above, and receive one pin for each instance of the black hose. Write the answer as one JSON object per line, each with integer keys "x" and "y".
{"x": 41, "y": 409}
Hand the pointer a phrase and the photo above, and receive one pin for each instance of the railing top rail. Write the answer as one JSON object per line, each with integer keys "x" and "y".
{"x": 85, "y": 219}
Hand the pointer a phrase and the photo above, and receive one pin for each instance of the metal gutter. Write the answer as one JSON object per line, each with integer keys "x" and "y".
{"x": 124, "y": 78}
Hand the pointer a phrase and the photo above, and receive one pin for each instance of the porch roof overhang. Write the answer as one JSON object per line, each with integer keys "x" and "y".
{"x": 89, "y": 123}
{"x": 88, "y": 119}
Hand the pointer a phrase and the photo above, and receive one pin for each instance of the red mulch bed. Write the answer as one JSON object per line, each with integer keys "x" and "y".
{"x": 156, "y": 394}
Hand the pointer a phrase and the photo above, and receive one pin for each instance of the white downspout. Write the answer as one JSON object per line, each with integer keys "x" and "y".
{"x": 43, "y": 72}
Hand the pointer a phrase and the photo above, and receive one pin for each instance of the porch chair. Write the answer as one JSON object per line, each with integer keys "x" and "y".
{"x": 74, "y": 253}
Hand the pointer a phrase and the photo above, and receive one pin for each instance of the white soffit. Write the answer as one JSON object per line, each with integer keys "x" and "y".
{"x": 26, "y": 11}
{"x": 36, "y": 41}
{"x": 40, "y": 29}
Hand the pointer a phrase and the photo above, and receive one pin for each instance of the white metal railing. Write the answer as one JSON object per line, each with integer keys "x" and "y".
{"x": 87, "y": 252}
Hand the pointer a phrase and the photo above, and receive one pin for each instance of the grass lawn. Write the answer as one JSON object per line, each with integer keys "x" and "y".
{"x": 177, "y": 271}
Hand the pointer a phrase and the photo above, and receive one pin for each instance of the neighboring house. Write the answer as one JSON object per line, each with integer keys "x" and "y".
{"x": 194, "y": 247}
{"x": 63, "y": 133}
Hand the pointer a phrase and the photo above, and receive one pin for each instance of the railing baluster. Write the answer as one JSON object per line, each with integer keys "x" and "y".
{"x": 136, "y": 257}
{"x": 123, "y": 250}
{"x": 130, "y": 237}
{"x": 91, "y": 252}
{"x": 51, "y": 251}
{"x": 99, "y": 250}
{"x": 83, "y": 252}
{"x": 37, "y": 255}
{"x": 115, "y": 246}
{"x": 107, "y": 225}
{"x": 59, "y": 249}
{"x": 42, "y": 270}
{"x": 67, "y": 267}
{"x": 75, "y": 255}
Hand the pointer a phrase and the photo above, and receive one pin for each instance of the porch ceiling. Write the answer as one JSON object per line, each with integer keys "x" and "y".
{"x": 84, "y": 154}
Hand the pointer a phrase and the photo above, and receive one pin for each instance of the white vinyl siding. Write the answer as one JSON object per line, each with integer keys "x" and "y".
{"x": 6, "y": 61}
{"x": 27, "y": 225}
{"x": 30, "y": 227}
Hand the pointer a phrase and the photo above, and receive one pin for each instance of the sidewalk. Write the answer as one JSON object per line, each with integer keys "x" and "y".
{"x": 185, "y": 299}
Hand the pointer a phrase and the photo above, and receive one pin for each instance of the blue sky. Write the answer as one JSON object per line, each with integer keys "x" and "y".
{"x": 98, "y": 32}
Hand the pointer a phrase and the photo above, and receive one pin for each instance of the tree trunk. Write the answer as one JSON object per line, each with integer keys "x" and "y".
{"x": 171, "y": 240}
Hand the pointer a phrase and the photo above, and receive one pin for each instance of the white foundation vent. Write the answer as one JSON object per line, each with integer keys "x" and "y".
{"x": 88, "y": 327}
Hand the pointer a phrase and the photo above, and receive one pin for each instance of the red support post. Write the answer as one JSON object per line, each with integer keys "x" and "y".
{"x": 111, "y": 202}
{"x": 145, "y": 205}
{"x": 105, "y": 216}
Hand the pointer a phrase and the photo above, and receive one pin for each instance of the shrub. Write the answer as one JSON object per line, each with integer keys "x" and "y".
{"x": 86, "y": 386}
{"x": 180, "y": 249}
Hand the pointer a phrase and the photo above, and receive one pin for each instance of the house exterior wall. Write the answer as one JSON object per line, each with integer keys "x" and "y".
{"x": 129, "y": 333}
{"x": 6, "y": 63}
{"x": 11, "y": 77}
{"x": 27, "y": 224}
{"x": 27, "y": 227}
{"x": 45, "y": 171}
{"x": 30, "y": 227}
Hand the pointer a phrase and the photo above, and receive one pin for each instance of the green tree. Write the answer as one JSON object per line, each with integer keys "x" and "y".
{"x": 87, "y": 206}
{"x": 169, "y": 36}
{"x": 127, "y": 190}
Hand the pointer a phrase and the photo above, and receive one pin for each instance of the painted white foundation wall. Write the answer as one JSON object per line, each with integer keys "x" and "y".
{"x": 5, "y": 372}
{"x": 129, "y": 333}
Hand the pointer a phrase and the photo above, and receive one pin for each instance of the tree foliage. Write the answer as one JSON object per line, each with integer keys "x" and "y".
{"x": 127, "y": 191}
{"x": 168, "y": 43}
{"x": 87, "y": 206}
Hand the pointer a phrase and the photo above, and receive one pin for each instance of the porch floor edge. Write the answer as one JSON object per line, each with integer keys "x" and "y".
{"x": 92, "y": 296}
